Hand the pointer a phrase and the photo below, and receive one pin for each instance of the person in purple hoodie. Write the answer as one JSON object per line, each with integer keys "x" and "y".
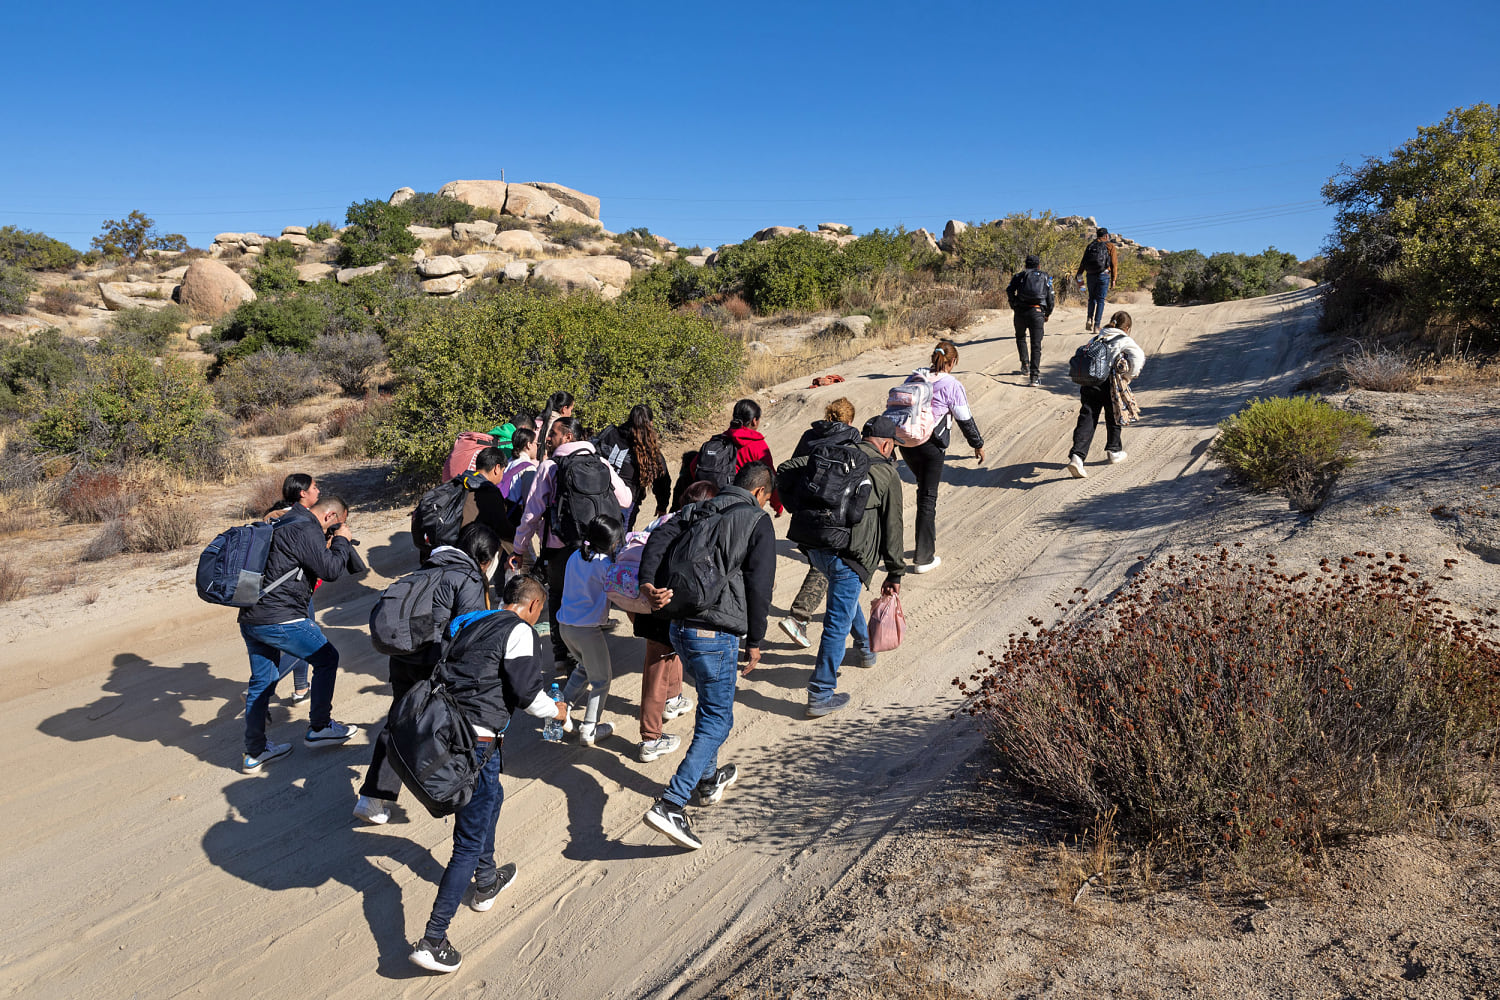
{"x": 949, "y": 405}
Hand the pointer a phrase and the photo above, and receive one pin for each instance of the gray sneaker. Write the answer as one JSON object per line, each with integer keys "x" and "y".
{"x": 797, "y": 630}
{"x": 865, "y": 658}
{"x": 680, "y": 705}
{"x": 652, "y": 749}
{"x": 819, "y": 707}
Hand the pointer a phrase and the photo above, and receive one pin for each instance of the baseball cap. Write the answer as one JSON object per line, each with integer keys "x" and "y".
{"x": 880, "y": 427}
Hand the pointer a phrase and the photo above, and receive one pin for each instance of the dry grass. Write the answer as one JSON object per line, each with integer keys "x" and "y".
{"x": 265, "y": 493}
{"x": 108, "y": 543}
{"x": 1459, "y": 372}
{"x": 12, "y": 582}
{"x": 90, "y": 596}
{"x": 61, "y": 579}
{"x": 165, "y": 527}
{"x": 19, "y": 519}
{"x": 274, "y": 422}
{"x": 301, "y": 444}
{"x": 1379, "y": 369}
{"x": 64, "y": 300}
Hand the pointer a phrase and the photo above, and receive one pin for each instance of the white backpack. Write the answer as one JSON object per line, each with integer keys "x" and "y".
{"x": 909, "y": 406}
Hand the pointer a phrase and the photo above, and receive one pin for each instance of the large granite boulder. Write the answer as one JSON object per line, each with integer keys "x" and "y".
{"x": 477, "y": 230}
{"x": 949, "y": 242}
{"x": 570, "y": 275}
{"x": 439, "y": 267}
{"x": 401, "y": 196}
{"x": 308, "y": 273}
{"x": 210, "y": 289}
{"x": 446, "y": 285}
{"x": 480, "y": 194}
{"x": 576, "y": 200}
{"x": 771, "y": 232}
{"x": 348, "y": 274}
{"x": 521, "y": 242}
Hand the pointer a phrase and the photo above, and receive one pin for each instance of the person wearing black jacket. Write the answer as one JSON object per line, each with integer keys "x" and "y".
{"x": 837, "y": 427}
{"x": 493, "y": 668}
{"x": 306, "y": 545}
{"x": 708, "y": 639}
{"x": 634, "y": 451}
{"x": 1031, "y": 302}
{"x": 463, "y": 576}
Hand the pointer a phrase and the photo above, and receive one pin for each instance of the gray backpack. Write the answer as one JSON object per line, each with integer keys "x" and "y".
{"x": 1092, "y": 363}
{"x": 404, "y": 619}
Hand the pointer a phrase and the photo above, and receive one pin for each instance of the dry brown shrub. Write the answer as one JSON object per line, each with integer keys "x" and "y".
{"x": 274, "y": 422}
{"x": 164, "y": 527}
{"x": 64, "y": 300}
{"x": 300, "y": 444}
{"x": 108, "y": 543}
{"x": 61, "y": 579}
{"x": 90, "y": 596}
{"x": 737, "y": 308}
{"x": 1379, "y": 369}
{"x": 87, "y": 495}
{"x": 12, "y": 582}
{"x": 264, "y": 494}
{"x": 20, "y": 519}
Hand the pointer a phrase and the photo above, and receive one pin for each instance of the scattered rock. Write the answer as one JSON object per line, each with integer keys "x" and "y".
{"x": 401, "y": 196}
{"x": 210, "y": 289}
{"x": 446, "y": 285}
{"x": 698, "y": 260}
{"x": 198, "y": 331}
{"x": 1296, "y": 281}
{"x": 308, "y": 273}
{"x": 439, "y": 267}
{"x": 570, "y": 275}
{"x": 566, "y": 196}
{"x": 517, "y": 271}
{"x": 474, "y": 230}
{"x": 427, "y": 234}
{"x": 157, "y": 252}
{"x": 174, "y": 275}
{"x": 921, "y": 239}
{"x": 293, "y": 230}
{"x": 639, "y": 258}
{"x": 295, "y": 240}
{"x": 949, "y": 242}
{"x": 348, "y": 274}
{"x": 771, "y": 232}
{"x": 849, "y": 326}
{"x": 475, "y": 265}
{"x": 517, "y": 241}
{"x": 593, "y": 247}
{"x": 607, "y": 270}
{"x": 480, "y": 194}
{"x": 253, "y": 240}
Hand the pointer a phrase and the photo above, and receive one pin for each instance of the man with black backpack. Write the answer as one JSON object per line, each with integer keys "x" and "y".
{"x": 846, "y": 512}
{"x": 1099, "y": 266}
{"x": 711, "y": 570}
{"x": 572, "y": 486}
{"x": 306, "y": 545}
{"x": 491, "y": 670}
{"x": 470, "y": 496}
{"x": 1031, "y": 302}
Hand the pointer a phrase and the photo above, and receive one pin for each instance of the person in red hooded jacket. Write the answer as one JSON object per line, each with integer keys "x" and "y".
{"x": 750, "y": 446}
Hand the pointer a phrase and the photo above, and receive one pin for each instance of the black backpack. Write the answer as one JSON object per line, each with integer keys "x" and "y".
{"x": 1096, "y": 257}
{"x": 439, "y": 516}
{"x": 404, "y": 619}
{"x": 830, "y": 496}
{"x": 718, "y": 460}
{"x": 697, "y": 566}
{"x": 1093, "y": 363}
{"x": 582, "y": 490}
{"x": 1034, "y": 287}
{"x": 430, "y": 745}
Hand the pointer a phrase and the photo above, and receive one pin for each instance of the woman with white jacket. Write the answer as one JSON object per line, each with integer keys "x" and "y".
{"x": 1108, "y": 399}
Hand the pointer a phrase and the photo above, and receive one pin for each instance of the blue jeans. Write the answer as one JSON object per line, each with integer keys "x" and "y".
{"x": 843, "y": 616}
{"x": 711, "y": 659}
{"x": 1098, "y": 285}
{"x": 473, "y": 857}
{"x": 266, "y": 644}
{"x": 295, "y": 665}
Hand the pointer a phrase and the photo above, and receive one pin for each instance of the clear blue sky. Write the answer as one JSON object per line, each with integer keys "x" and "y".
{"x": 1178, "y": 124}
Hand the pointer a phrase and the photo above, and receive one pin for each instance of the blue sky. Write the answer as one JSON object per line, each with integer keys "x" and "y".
{"x": 1180, "y": 125}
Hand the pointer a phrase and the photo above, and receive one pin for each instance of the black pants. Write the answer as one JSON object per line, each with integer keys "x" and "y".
{"x": 557, "y": 567}
{"x": 381, "y": 780}
{"x": 1029, "y": 322}
{"x": 1095, "y": 402}
{"x": 926, "y": 463}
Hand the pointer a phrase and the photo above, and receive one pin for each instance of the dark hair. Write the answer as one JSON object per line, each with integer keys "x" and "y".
{"x": 1101, "y": 231}
{"x": 523, "y": 418}
{"x": 332, "y": 501}
{"x": 569, "y": 424}
{"x": 746, "y": 412}
{"x": 700, "y": 491}
{"x": 479, "y": 541}
{"x": 523, "y": 588}
{"x": 944, "y": 356}
{"x": 755, "y": 476}
{"x": 1120, "y": 321}
{"x": 602, "y": 537}
{"x": 488, "y": 458}
{"x": 293, "y": 486}
{"x": 645, "y": 446}
{"x": 520, "y": 439}
{"x": 555, "y": 402}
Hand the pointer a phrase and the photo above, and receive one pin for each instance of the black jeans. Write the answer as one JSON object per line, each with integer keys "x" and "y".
{"x": 557, "y": 567}
{"x": 381, "y": 780}
{"x": 926, "y": 464}
{"x": 1095, "y": 402}
{"x": 1029, "y": 321}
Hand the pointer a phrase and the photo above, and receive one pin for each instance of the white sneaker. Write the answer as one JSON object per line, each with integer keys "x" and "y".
{"x": 797, "y": 630}
{"x": 928, "y": 567}
{"x": 652, "y": 749}
{"x": 370, "y": 810}
{"x": 330, "y": 735}
{"x": 1076, "y": 469}
{"x": 273, "y": 750}
{"x": 1115, "y": 457}
{"x": 588, "y": 735}
{"x": 680, "y": 705}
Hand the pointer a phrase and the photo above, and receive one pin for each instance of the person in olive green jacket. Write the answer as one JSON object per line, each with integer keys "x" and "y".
{"x": 877, "y": 537}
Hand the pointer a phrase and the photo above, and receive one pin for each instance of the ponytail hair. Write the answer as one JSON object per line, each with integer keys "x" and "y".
{"x": 1120, "y": 321}
{"x": 645, "y": 445}
{"x": 944, "y": 356}
{"x": 602, "y": 537}
{"x": 555, "y": 402}
{"x": 746, "y": 413}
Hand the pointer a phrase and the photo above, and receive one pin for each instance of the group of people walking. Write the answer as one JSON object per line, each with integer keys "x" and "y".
{"x": 533, "y": 539}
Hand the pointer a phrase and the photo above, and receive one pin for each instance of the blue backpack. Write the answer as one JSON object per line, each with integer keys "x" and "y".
{"x": 231, "y": 570}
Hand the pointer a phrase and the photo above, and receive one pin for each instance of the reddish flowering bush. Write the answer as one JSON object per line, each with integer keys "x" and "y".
{"x": 1234, "y": 707}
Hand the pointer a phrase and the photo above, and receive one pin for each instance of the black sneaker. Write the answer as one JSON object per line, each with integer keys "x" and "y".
{"x": 481, "y": 899}
{"x": 711, "y": 790}
{"x": 669, "y": 819}
{"x": 439, "y": 957}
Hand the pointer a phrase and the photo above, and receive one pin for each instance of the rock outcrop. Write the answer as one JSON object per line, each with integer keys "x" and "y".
{"x": 520, "y": 242}
{"x": 577, "y": 200}
{"x": 119, "y": 295}
{"x": 949, "y": 242}
{"x": 401, "y": 196}
{"x": 210, "y": 289}
{"x": 480, "y": 194}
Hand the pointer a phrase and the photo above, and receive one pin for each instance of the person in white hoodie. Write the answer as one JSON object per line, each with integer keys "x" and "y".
{"x": 565, "y": 439}
{"x": 1126, "y": 361}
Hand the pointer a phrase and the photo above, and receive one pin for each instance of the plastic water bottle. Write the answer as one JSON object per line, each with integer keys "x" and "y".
{"x": 552, "y": 731}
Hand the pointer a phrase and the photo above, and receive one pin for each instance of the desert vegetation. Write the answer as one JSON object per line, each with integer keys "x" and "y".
{"x": 1189, "y": 276}
{"x": 1292, "y": 445}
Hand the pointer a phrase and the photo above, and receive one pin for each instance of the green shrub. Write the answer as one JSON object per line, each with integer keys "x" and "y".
{"x": 1187, "y": 276}
{"x": 133, "y": 235}
{"x": 1003, "y": 246}
{"x": 128, "y": 406}
{"x": 35, "y": 251}
{"x": 1409, "y": 227}
{"x": 481, "y": 359}
{"x": 673, "y": 284}
{"x": 145, "y": 330}
{"x": 883, "y": 250}
{"x": 1248, "y": 715}
{"x": 320, "y": 231}
{"x": 1179, "y": 278}
{"x": 440, "y": 211}
{"x": 377, "y": 230}
{"x": 1294, "y": 445}
{"x": 276, "y": 272}
{"x": 385, "y": 303}
{"x": 573, "y": 232}
{"x": 15, "y": 287}
{"x": 798, "y": 271}
{"x": 34, "y": 368}
{"x": 64, "y": 300}
{"x": 349, "y": 360}
{"x": 640, "y": 236}
{"x": 292, "y": 322}
{"x": 267, "y": 379}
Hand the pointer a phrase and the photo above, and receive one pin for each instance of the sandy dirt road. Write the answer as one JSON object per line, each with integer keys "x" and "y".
{"x": 140, "y": 863}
